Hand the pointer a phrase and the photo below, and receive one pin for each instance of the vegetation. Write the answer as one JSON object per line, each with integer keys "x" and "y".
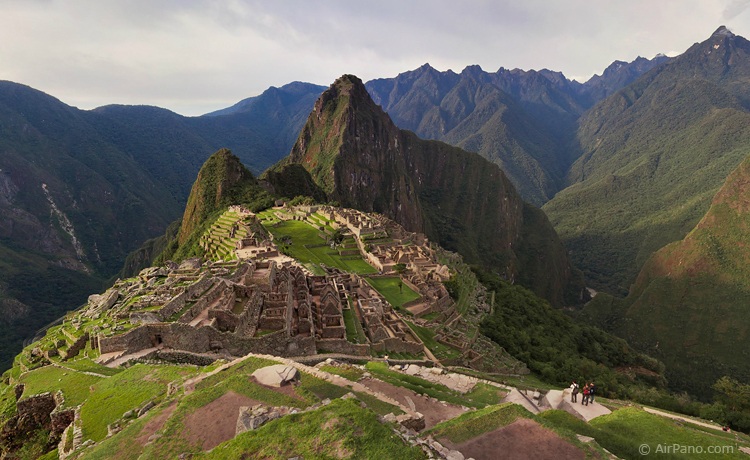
{"x": 393, "y": 289}
{"x": 472, "y": 424}
{"x": 478, "y": 213}
{"x": 339, "y": 430}
{"x": 303, "y": 242}
{"x": 666, "y": 313}
{"x": 558, "y": 348}
{"x": 480, "y": 396}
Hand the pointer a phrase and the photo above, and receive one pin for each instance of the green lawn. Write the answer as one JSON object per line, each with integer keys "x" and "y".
{"x": 127, "y": 390}
{"x": 74, "y": 385}
{"x": 393, "y": 290}
{"x": 309, "y": 248}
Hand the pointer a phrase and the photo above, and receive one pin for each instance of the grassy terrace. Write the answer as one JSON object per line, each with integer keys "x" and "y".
{"x": 354, "y": 331}
{"x": 393, "y": 289}
{"x": 310, "y": 249}
{"x": 427, "y": 336}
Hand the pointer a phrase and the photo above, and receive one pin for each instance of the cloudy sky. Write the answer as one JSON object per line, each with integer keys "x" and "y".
{"x": 194, "y": 56}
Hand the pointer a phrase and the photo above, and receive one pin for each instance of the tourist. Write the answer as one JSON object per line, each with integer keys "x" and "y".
{"x": 592, "y": 390}
{"x": 574, "y": 391}
{"x": 585, "y": 399}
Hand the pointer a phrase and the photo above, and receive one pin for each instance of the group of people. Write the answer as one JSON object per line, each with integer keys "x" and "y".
{"x": 589, "y": 390}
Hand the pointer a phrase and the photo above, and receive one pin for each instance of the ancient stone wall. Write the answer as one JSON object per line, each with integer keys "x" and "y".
{"x": 225, "y": 320}
{"x": 248, "y": 321}
{"x": 199, "y": 287}
{"x": 76, "y": 347}
{"x": 173, "y": 306}
{"x": 394, "y": 345}
{"x": 132, "y": 341}
{"x": 342, "y": 346}
{"x": 205, "y": 339}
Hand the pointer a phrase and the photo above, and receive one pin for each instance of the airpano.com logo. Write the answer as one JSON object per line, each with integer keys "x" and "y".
{"x": 684, "y": 449}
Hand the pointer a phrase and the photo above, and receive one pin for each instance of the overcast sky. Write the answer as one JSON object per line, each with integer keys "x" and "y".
{"x": 195, "y": 56}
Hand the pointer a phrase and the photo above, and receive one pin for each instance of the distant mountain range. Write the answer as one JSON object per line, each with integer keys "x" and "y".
{"x": 623, "y": 164}
{"x": 80, "y": 190}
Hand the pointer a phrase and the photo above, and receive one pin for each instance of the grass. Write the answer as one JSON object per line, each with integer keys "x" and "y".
{"x": 354, "y": 332}
{"x": 378, "y": 406}
{"x": 348, "y": 372}
{"x": 480, "y": 397}
{"x": 341, "y": 429}
{"x": 74, "y": 385}
{"x": 235, "y": 379}
{"x": 624, "y": 431}
{"x": 122, "y": 446}
{"x": 427, "y": 336}
{"x": 87, "y": 365}
{"x": 472, "y": 424}
{"x": 309, "y": 248}
{"x": 393, "y": 289}
{"x": 127, "y": 390}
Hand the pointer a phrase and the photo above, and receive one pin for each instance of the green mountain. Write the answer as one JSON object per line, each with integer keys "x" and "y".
{"x": 73, "y": 207}
{"x": 222, "y": 181}
{"x": 524, "y": 121}
{"x": 360, "y": 159}
{"x": 654, "y": 154}
{"x": 689, "y": 305}
{"x": 80, "y": 190}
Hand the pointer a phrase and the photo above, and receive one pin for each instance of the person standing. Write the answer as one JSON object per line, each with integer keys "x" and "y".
{"x": 574, "y": 388}
{"x": 592, "y": 391}
{"x": 585, "y": 399}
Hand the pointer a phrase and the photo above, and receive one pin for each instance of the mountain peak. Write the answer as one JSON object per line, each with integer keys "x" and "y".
{"x": 722, "y": 31}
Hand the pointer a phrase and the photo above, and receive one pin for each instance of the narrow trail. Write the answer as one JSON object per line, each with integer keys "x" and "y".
{"x": 681, "y": 418}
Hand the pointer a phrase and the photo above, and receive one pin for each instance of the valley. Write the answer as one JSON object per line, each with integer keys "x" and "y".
{"x": 408, "y": 267}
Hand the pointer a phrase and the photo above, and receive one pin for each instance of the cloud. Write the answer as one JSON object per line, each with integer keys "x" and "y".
{"x": 734, "y": 9}
{"x": 194, "y": 56}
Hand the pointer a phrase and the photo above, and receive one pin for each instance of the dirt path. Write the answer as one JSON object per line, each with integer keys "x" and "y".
{"x": 155, "y": 424}
{"x": 681, "y": 418}
{"x": 216, "y": 422}
{"x": 521, "y": 440}
{"x": 434, "y": 411}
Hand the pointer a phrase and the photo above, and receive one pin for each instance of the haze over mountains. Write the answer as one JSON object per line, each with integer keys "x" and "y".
{"x": 623, "y": 164}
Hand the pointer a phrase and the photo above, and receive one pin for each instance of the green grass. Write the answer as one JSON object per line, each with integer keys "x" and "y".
{"x": 127, "y": 390}
{"x": 623, "y": 432}
{"x": 74, "y": 385}
{"x": 394, "y": 290}
{"x": 354, "y": 331}
{"x": 626, "y": 429}
{"x": 122, "y": 446}
{"x": 309, "y": 248}
{"x": 472, "y": 424}
{"x": 348, "y": 372}
{"x": 481, "y": 398}
{"x": 378, "y": 406}
{"x": 427, "y": 336}
{"x": 87, "y": 365}
{"x": 340, "y": 430}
